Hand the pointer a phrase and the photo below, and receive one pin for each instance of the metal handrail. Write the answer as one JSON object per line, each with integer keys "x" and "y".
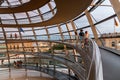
{"x": 92, "y": 61}
{"x": 96, "y": 63}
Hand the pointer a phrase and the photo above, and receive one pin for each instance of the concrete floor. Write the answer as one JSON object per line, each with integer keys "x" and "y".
{"x": 111, "y": 65}
{"x": 21, "y": 74}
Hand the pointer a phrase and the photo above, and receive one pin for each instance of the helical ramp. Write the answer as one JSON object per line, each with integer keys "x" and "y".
{"x": 89, "y": 69}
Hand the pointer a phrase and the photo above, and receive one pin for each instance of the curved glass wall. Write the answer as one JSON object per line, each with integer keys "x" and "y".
{"x": 39, "y": 15}
{"x": 13, "y": 3}
{"x": 67, "y": 29}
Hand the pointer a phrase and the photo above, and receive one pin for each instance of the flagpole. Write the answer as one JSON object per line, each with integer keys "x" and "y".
{"x": 115, "y": 34}
{"x": 114, "y": 29}
{"x": 115, "y": 25}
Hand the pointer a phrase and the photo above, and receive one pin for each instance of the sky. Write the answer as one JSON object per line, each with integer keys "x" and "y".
{"x": 100, "y": 13}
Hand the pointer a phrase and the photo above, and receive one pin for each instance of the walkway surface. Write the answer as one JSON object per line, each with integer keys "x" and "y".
{"x": 111, "y": 65}
{"x": 57, "y": 74}
{"x": 21, "y": 74}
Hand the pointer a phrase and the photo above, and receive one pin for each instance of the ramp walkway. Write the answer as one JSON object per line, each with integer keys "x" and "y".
{"x": 111, "y": 65}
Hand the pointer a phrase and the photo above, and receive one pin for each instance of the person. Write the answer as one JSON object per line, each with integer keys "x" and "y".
{"x": 86, "y": 36}
{"x": 15, "y": 36}
{"x": 20, "y": 63}
{"x": 81, "y": 34}
{"x": 15, "y": 64}
{"x": 2, "y": 61}
{"x": 36, "y": 64}
{"x": 11, "y": 35}
{"x": 76, "y": 37}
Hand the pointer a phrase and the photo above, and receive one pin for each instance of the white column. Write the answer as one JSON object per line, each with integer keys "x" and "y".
{"x": 116, "y": 7}
{"x": 93, "y": 28}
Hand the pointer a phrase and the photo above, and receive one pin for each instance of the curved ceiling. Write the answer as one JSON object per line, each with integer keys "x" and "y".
{"x": 66, "y": 10}
{"x": 29, "y": 6}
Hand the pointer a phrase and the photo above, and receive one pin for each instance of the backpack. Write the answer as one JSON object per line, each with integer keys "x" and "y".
{"x": 81, "y": 34}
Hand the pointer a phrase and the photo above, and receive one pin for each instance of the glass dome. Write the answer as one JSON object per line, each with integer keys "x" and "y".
{"x": 53, "y": 32}
{"x": 27, "y": 31}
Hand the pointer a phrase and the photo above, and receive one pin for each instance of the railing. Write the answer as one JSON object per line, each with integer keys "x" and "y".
{"x": 42, "y": 37}
{"x": 93, "y": 64}
{"x": 57, "y": 74}
{"x": 92, "y": 61}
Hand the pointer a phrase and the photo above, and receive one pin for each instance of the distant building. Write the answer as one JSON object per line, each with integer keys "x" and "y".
{"x": 111, "y": 40}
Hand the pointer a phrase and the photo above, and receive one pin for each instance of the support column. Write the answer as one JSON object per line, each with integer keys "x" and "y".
{"x": 53, "y": 13}
{"x": 38, "y": 47}
{"x": 50, "y": 6}
{"x": 75, "y": 31}
{"x": 75, "y": 55}
{"x": 116, "y": 7}
{"x": 6, "y": 42}
{"x": 66, "y": 51}
{"x": 68, "y": 30}
{"x": 8, "y": 56}
{"x": 77, "y": 39}
{"x": 50, "y": 44}
{"x": 23, "y": 47}
{"x": 62, "y": 36}
{"x": 46, "y": 28}
{"x": 34, "y": 33}
{"x": 93, "y": 28}
{"x": 60, "y": 30}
